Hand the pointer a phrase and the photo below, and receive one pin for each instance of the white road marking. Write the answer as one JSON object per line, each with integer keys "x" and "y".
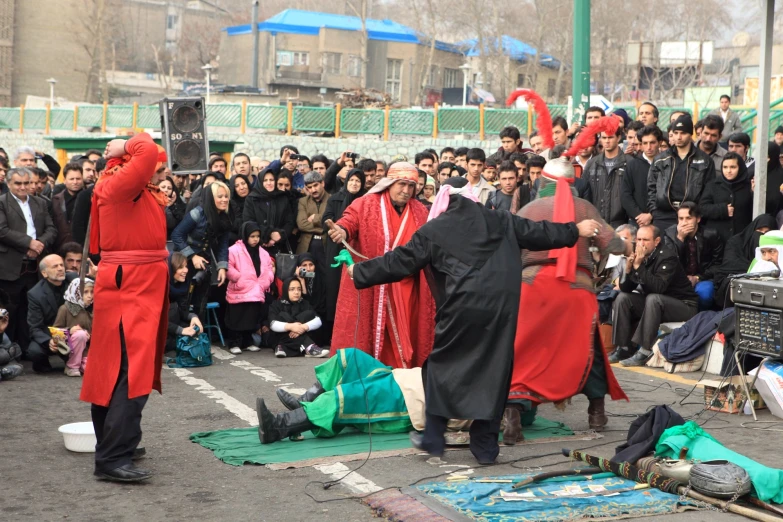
{"x": 220, "y": 353}
{"x": 353, "y": 481}
{"x": 268, "y": 376}
{"x": 230, "y": 403}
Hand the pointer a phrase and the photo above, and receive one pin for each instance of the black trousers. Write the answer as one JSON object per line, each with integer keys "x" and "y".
{"x": 17, "y": 290}
{"x": 650, "y": 311}
{"x": 39, "y": 355}
{"x": 118, "y": 426}
{"x": 483, "y": 437}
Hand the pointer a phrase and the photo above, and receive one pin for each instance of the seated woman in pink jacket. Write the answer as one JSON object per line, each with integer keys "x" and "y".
{"x": 250, "y": 274}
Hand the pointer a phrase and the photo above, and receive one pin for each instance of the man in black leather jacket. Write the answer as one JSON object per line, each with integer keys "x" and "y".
{"x": 677, "y": 175}
{"x": 700, "y": 251}
{"x": 665, "y": 294}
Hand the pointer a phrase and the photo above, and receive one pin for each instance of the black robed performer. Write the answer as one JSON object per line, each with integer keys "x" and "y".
{"x": 473, "y": 255}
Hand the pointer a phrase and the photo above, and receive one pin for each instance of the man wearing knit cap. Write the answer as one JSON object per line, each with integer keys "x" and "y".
{"x": 779, "y": 135}
{"x": 677, "y": 175}
{"x": 472, "y": 254}
{"x": 394, "y": 322}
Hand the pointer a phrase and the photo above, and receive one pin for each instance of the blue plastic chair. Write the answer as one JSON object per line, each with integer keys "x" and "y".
{"x": 212, "y": 322}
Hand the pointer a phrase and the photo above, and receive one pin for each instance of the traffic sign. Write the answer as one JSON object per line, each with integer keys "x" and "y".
{"x": 596, "y": 100}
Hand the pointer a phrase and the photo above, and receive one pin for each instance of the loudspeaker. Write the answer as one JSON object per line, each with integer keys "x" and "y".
{"x": 184, "y": 123}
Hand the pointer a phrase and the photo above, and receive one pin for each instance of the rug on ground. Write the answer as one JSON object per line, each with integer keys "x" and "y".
{"x": 563, "y": 498}
{"x": 241, "y": 445}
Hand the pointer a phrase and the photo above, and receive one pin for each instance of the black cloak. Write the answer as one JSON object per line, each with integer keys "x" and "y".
{"x": 475, "y": 275}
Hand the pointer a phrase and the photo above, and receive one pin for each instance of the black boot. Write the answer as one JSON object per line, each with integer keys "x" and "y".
{"x": 596, "y": 415}
{"x": 272, "y": 428}
{"x": 294, "y": 403}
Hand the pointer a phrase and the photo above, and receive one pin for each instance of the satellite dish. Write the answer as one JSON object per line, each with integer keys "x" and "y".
{"x": 740, "y": 39}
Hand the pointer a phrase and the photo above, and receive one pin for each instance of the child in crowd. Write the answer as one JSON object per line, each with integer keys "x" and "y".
{"x": 10, "y": 353}
{"x": 290, "y": 318}
{"x": 75, "y": 316}
{"x": 250, "y": 275}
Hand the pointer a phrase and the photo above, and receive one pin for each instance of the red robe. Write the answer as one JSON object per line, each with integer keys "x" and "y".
{"x": 404, "y": 339}
{"x": 132, "y": 234}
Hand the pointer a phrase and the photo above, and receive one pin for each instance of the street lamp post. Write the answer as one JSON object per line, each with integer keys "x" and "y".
{"x": 465, "y": 70}
{"x": 208, "y": 70}
{"x": 51, "y": 82}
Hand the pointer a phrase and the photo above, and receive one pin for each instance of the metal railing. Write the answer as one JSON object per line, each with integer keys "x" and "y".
{"x": 290, "y": 119}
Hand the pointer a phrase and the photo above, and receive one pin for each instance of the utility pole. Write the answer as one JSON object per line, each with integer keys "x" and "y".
{"x": 254, "y": 68}
{"x": 580, "y": 81}
{"x": 762, "y": 131}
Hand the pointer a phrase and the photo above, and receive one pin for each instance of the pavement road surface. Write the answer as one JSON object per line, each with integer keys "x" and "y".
{"x": 42, "y": 481}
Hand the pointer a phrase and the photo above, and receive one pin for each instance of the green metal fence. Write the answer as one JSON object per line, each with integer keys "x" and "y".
{"x": 148, "y": 117}
{"x": 361, "y": 121}
{"x": 496, "y": 119}
{"x": 273, "y": 117}
{"x": 119, "y": 116}
{"x": 61, "y": 119}
{"x": 411, "y": 122}
{"x": 459, "y": 121}
{"x": 9, "y": 118}
{"x": 314, "y": 119}
{"x": 35, "y": 119}
{"x": 90, "y": 116}
{"x": 224, "y": 115}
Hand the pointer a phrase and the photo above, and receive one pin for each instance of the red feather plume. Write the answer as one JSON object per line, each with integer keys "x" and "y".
{"x": 608, "y": 124}
{"x": 543, "y": 118}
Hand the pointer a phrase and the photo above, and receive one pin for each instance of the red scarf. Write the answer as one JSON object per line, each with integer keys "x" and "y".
{"x": 564, "y": 213}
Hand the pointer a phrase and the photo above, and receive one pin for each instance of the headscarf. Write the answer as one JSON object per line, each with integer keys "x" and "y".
{"x": 248, "y": 228}
{"x": 264, "y": 194}
{"x": 455, "y": 186}
{"x": 177, "y": 289}
{"x": 772, "y": 239}
{"x": 741, "y": 248}
{"x": 742, "y": 175}
{"x": 73, "y": 296}
{"x": 237, "y": 201}
{"x": 348, "y": 197}
{"x": 219, "y": 222}
{"x": 399, "y": 171}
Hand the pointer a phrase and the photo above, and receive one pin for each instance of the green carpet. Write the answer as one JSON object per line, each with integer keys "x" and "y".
{"x": 241, "y": 446}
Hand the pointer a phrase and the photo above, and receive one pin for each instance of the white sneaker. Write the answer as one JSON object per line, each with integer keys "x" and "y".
{"x": 315, "y": 351}
{"x": 236, "y": 350}
{"x": 279, "y": 352}
{"x": 252, "y": 348}
{"x": 72, "y": 372}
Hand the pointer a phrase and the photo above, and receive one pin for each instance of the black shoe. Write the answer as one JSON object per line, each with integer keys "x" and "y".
{"x": 294, "y": 403}
{"x": 11, "y": 371}
{"x": 416, "y": 440}
{"x": 126, "y": 473}
{"x": 40, "y": 368}
{"x": 272, "y": 428}
{"x": 619, "y": 354}
{"x": 638, "y": 359}
{"x": 139, "y": 453}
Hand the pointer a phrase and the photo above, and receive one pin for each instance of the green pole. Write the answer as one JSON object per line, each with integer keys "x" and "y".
{"x": 580, "y": 86}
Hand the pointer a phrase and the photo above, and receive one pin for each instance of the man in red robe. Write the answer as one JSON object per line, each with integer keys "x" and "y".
{"x": 395, "y": 323}
{"x": 131, "y": 303}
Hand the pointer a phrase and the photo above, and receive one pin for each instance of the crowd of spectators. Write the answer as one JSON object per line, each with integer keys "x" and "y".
{"x": 251, "y": 233}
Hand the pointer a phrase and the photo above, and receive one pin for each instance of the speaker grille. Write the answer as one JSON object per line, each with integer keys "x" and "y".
{"x": 185, "y": 119}
{"x": 188, "y": 153}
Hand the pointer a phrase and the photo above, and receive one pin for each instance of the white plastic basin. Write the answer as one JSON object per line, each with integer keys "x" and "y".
{"x": 79, "y": 437}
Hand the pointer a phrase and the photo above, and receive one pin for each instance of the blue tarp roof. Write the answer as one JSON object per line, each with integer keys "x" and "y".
{"x": 295, "y": 21}
{"x": 513, "y": 48}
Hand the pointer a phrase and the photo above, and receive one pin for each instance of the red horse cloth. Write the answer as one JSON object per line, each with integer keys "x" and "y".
{"x": 396, "y": 322}
{"x": 132, "y": 240}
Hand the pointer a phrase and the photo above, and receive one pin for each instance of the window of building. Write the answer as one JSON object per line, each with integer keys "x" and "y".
{"x": 393, "y": 78}
{"x": 301, "y": 58}
{"x": 354, "y": 65}
{"x": 332, "y": 62}
{"x": 432, "y": 77}
{"x": 551, "y": 84}
{"x": 525, "y": 80}
{"x": 451, "y": 78}
{"x": 285, "y": 58}
{"x": 171, "y": 21}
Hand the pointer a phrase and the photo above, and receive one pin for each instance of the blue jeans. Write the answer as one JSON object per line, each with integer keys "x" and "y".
{"x": 706, "y": 292}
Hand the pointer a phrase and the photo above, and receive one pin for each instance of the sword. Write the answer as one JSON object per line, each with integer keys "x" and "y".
{"x": 84, "y": 268}
{"x": 329, "y": 223}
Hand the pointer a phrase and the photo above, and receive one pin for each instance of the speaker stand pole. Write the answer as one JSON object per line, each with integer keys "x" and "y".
{"x": 745, "y": 385}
